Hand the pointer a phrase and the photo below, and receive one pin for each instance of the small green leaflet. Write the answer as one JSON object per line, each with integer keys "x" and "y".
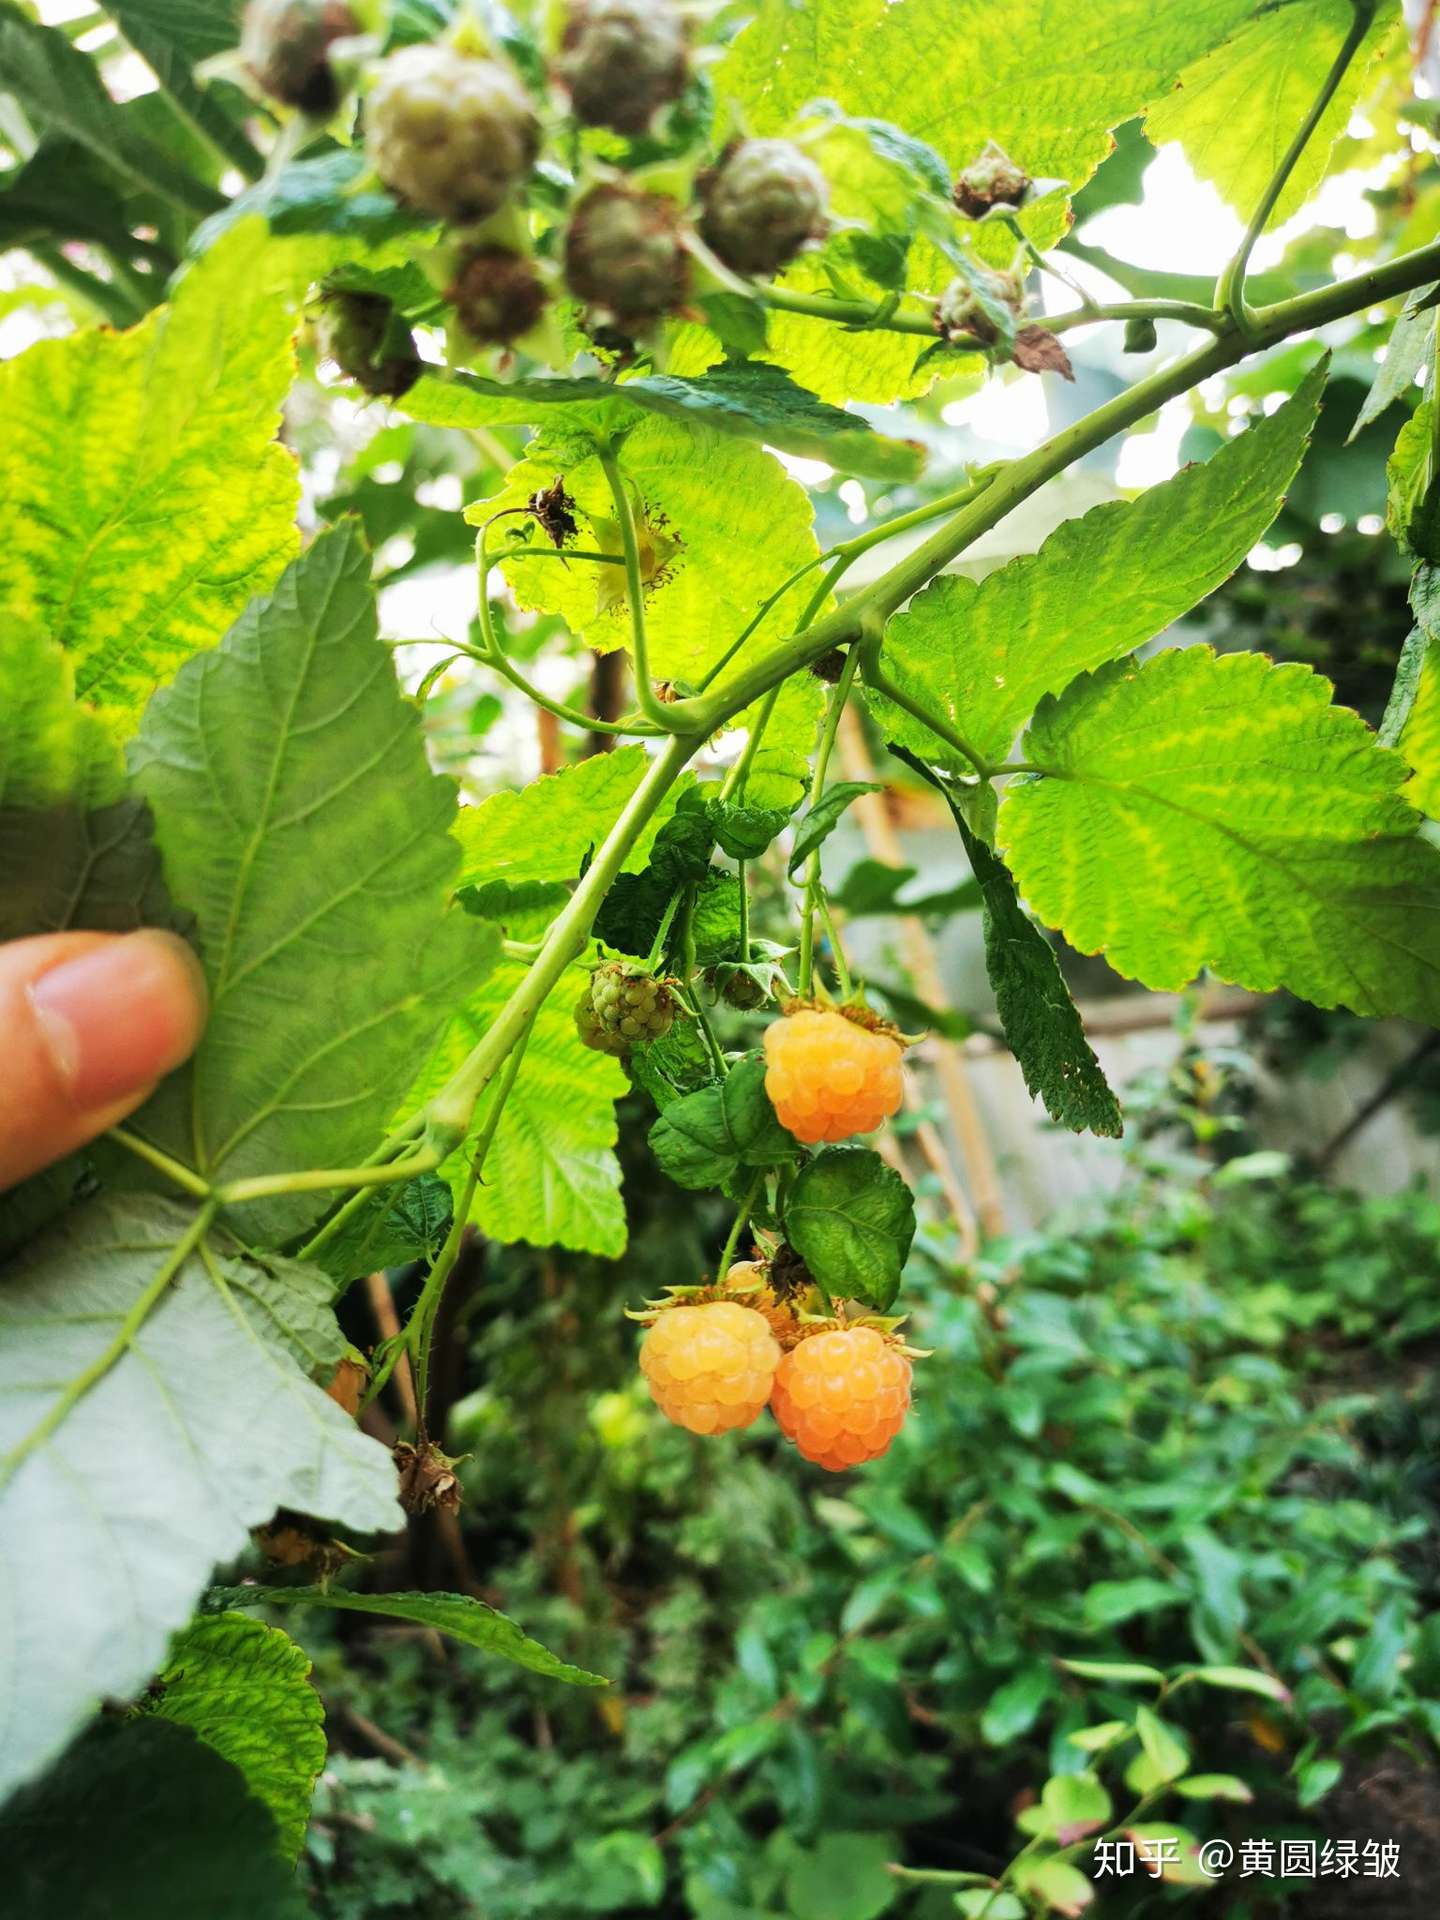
{"x": 85, "y": 1842}
{"x": 1042, "y": 1028}
{"x": 54, "y": 748}
{"x": 1412, "y": 719}
{"x": 170, "y": 1417}
{"x": 146, "y": 494}
{"x": 1222, "y": 813}
{"x": 1235, "y": 110}
{"x": 453, "y": 1613}
{"x": 1411, "y": 342}
{"x": 745, "y": 398}
{"x": 394, "y": 1227}
{"x": 851, "y": 1219}
{"x": 323, "y": 195}
{"x": 245, "y": 1689}
{"x": 705, "y": 1138}
{"x": 299, "y": 821}
{"x": 985, "y": 653}
{"x": 821, "y": 820}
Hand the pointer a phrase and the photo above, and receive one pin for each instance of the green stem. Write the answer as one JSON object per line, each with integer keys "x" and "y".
{"x": 1230, "y": 292}
{"x": 842, "y": 970}
{"x": 235, "y": 1192}
{"x": 770, "y": 600}
{"x": 840, "y": 693}
{"x": 662, "y": 932}
{"x": 862, "y": 314}
{"x": 738, "y": 1225}
{"x": 741, "y": 872}
{"x": 687, "y": 977}
{"x": 175, "y": 1170}
{"x": 652, "y": 708}
{"x": 141, "y": 1307}
{"x": 879, "y": 681}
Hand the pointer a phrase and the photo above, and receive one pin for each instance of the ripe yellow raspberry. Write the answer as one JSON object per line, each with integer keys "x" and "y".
{"x": 711, "y": 1367}
{"x": 842, "y": 1397}
{"x": 829, "y": 1079}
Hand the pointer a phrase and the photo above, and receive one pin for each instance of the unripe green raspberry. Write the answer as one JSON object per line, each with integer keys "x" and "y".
{"x": 286, "y": 44}
{"x": 624, "y": 256}
{"x": 962, "y": 310}
{"x": 497, "y": 294}
{"x": 762, "y": 203}
{"x": 622, "y": 60}
{"x": 449, "y": 134}
{"x": 992, "y": 180}
{"x": 624, "y": 1007}
{"x": 369, "y": 342}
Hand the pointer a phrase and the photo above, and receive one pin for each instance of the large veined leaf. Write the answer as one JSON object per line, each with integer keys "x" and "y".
{"x": 146, "y": 495}
{"x": 983, "y": 653}
{"x": 1047, "y": 81}
{"x": 245, "y": 1689}
{"x": 453, "y": 1613}
{"x": 1040, "y": 1021}
{"x": 551, "y": 1177}
{"x": 723, "y": 527}
{"x": 1236, "y": 108}
{"x": 301, "y": 825}
{"x": 1220, "y": 812}
{"x": 53, "y": 748}
{"x": 748, "y": 399}
{"x": 149, "y": 1417}
{"x": 143, "y": 1821}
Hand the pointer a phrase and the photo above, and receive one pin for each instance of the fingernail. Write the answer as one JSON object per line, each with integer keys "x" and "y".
{"x": 121, "y": 1016}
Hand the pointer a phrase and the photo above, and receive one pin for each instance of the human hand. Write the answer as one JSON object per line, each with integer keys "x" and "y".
{"x": 88, "y": 1023}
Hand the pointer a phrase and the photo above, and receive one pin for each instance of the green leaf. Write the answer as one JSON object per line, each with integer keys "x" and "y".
{"x": 146, "y": 493}
{"x": 983, "y": 653}
{"x": 1376, "y": 1674}
{"x": 820, "y": 821}
{"x": 1120, "y": 1672}
{"x": 1103, "y": 1734}
{"x": 1014, "y": 1708}
{"x": 1412, "y": 720}
{"x": 744, "y": 832}
{"x": 1411, "y": 342}
{"x": 245, "y": 1689}
{"x": 160, "y": 1423}
{"x": 1108, "y": 1602}
{"x": 1411, "y": 503}
{"x": 704, "y": 1139}
{"x": 1214, "y": 1786}
{"x": 845, "y": 1876}
{"x": 1315, "y": 1778}
{"x": 395, "y": 1226}
{"x": 724, "y": 526}
{"x": 1171, "y": 1851}
{"x": 1063, "y": 1888}
{"x": 1242, "y": 1680}
{"x": 1222, "y": 813}
{"x": 171, "y": 38}
{"x": 634, "y": 909}
{"x": 1041, "y": 1025}
{"x": 301, "y": 824}
{"x": 62, "y": 91}
{"x": 53, "y": 749}
{"x": 743, "y": 398}
{"x": 984, "y": 1903}
{"x": 851, "y": 1219}
{"x": 1161, "y": 1745}
{"x": 1074, "y": 1804}
{"x": 551, "y": 1177}
{"x": 453, "y": 1613}
{"x": 324, "y": 195}
{"x": 1235, "y": 110}
{"x": 144, "y": 1820}
{"x": 957, "y": 73}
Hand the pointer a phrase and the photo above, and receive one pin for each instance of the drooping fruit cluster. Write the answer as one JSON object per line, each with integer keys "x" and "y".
{"x": 368, "y": 341}
{"x": 497, "y": 294}
{"x": 448, "y": 133}
{"x": 621, "y": 61}
{"x": 625, "y": 256}
{"x": 710, "y": 1367}
{"x": 761, "y": 204}
{"x": 286, "y": 46}
{"x": 828, "y": 1076}
{"x": 623, "y": 1007}
{"x": 842, "y": 1396}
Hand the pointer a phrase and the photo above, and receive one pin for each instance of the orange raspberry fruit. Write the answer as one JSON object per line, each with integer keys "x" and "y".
{"x": 711, "y": 1367}
{"x": 828, "y": 1078}
{"x": 842, "y": 1397}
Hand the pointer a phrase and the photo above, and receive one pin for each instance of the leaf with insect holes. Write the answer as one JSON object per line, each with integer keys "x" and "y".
{"x": 300, "y": 822}
{"x": 1221, "y": 813}
{"x": 148, "y": 495}
{"x": 851, "y": 1219}
{"x": 455, "y": 1614}
{"x": 983, "y": 654}
{"x": 136, "y": 1414}
{"x": 245, "y": 1689}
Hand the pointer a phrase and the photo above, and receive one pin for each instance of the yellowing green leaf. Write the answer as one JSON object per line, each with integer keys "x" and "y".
{"x": 301, "y": 825}
{"x": 1199, "y": 813}
{"x": 1236, "y": 108}
{"x": 146, "y": 496}
{"x": 245, "y": 1689}
{"x": 739, "y": 523}
{"x": 983, "y": 653}
{"x": 52, "y": 747}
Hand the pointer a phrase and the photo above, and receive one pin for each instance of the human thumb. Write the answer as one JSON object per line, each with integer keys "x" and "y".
{"x": 88, "y": 1023}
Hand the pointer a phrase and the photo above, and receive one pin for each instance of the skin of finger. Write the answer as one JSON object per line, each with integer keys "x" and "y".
{"x": 38, "y": 1121}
